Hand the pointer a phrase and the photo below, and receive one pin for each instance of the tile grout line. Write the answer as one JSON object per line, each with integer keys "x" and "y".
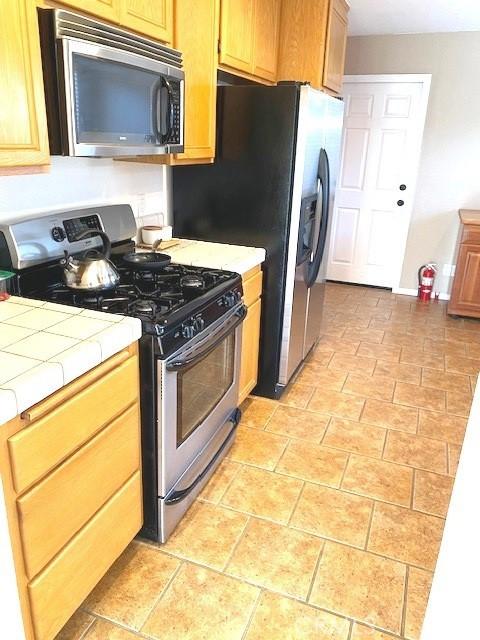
{"x": 261, "y": 591}
{"x": 369, "y": 528}
{"x": 295, "y": 505}
{"x": 315, "y": 571}
{"x": 405, "y": 599}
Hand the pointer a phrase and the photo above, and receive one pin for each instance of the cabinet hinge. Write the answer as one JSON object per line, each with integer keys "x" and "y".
{"x": 219, "y": 46}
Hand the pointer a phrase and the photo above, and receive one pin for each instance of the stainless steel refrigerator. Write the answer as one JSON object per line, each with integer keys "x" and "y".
{"x": 272, "y": 185}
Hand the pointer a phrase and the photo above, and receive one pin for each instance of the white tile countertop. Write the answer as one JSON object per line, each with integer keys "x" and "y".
{"x": 230, "y": 257}
{"x": 44, "y": 346}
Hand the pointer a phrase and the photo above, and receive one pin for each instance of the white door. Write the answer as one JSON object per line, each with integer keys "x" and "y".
{"x": 382, "y": 134}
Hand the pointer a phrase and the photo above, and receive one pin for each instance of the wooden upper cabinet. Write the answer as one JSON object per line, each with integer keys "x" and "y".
{"x": 335, "y": 45}
{"x": 236, "y": 34}
{"x": 266, "y": 35}
{"x": 153, "y": 18}
{"x": 23, "y": 124}
{"x": 108, "y": 9}
{"x": 195, "y": 35}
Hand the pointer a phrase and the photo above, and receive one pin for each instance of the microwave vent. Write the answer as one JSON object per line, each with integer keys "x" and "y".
{"x": 78, "y": 27}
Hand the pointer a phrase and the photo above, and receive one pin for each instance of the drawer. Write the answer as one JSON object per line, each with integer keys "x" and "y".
{"x": 471, "y": 234}
{"x": 60, "y": 589}
{"x": 53, "y": 511}
{"x": 38, "y": 448}
{"x": 252, "y": 288}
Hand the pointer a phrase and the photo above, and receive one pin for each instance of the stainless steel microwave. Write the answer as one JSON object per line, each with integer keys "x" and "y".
{"x": 109, "y": 92}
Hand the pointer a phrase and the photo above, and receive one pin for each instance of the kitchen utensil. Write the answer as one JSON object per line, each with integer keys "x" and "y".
{"x": 152, "y": 233}
{"x": 147, "y": 260}
{"x": 4, "y": 278}
{"x": 93, "y": 271}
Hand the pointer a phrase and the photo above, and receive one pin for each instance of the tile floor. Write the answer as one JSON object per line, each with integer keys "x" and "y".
{"x": 326, "y": 518}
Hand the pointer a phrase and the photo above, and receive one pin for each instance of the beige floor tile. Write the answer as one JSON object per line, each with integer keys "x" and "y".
{"x": 442, "y": 426}
{"x": 453, "y": 457}
{"x": 201, "y": 604}
{"x": 377, "y": 387}
{"x": 207, "y": 535}
{"x": 360, "y": 585}
{"x": 76, "y": 626}
{"x": 459, "y": 404}
{"x": 279, "y": 617}
{"x": 298, "y": 423}
{"x": 103, "y": 630}
{"x": 276, "y": 557}
{"x": 445, "y": 380}
{"x": 356, "y": 437}
{"x": 256, "y": 412}
{"x": 364, "y": 335}
{"x": 319, "y": 376}
{"x": 220, "y": 481}
{"x": 332, "y": 328}
{"x": 338, "y": 345}
{"x": 412, "y": 355}
{"x": 384, "y": 352}
{"x": 313, "y": 462}
{"x": 432, "y": 493}
{"x": 263, "y": 493}
{"x": 320, "y": 357}
{"x": 390, "y": 416}
{"x": 360, "y": 632}
{"x": 462, "y": 335}
{"x": 460, "y": 364}
{"x": 414, "y": 396}
{"x": 405, "y": 535}
{"x": 418, "y": 590}
{"x": 403, "y": 339}
{"x": 334, "y": 514}
{"x": 256, "y": 447}
{"x": 416, "y": 451}
{"x": 445, "y": 347}
{"x": 379, "y": 480}
{"x": 297, "y": 395}
{"x": 336, "y": 403}
{"x": 398, "y": 371}
{"x": 473, "y": 350}
{"x": 346, "y": 363}
{"x": 129, "y": 590}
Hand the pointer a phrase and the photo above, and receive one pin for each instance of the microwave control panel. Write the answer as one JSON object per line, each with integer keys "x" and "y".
{"x": 175, "y": 136}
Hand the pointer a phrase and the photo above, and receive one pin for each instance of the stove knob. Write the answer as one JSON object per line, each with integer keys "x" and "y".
{"x": 188, "y": 331}
{"x": 229, "y": 299}
{"x": 58, "y": 234}
{"x": 199, "y": 324}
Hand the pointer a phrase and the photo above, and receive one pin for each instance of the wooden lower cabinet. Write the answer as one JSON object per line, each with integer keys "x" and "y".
{"x": 252, "y": 288}
{"x": 71, "y": 472}
{"x": 465, "y": 296}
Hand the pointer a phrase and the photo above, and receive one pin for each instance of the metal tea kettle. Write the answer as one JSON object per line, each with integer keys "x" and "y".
{"x": 93, "y": 271}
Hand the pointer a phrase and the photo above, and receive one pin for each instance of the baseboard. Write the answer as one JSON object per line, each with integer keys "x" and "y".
{"x": 414, "y": 292}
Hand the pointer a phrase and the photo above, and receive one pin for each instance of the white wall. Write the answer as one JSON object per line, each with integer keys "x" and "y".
{"x": 74, "y": 182}
{"x": 449, "y": 175}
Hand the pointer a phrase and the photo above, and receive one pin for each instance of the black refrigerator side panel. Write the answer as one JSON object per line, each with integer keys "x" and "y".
{"x": 244, "y": 197}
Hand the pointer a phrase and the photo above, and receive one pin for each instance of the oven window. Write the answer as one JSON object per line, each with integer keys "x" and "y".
{"x": 202, "y": 386}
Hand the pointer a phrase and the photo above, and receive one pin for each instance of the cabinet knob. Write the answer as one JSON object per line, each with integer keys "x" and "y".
{"x": 402, "y": 187}
{"x": 400, "y": 203}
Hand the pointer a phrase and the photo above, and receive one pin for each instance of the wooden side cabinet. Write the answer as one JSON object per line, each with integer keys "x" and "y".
{"x": 465, "y": 296}
{"x": 71, "y": 472}
{"x": 252, "y": 291}
{"x": 106, "y": 9}
{"x": 335, "y": 46}
{"x": 153, "y": 19}
{"x": 23, "y": 122}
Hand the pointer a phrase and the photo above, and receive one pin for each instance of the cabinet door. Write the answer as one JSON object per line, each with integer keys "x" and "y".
{"x": 302, "y": 37}
{"x": 250, "y": 348}
{"x": 335, "y": 45}
{"x": 236, "y": 34}
{"x": 154, "y": 19}
{"x": 196, "y": 33}
{"x": 23, "y": 125}
{"x": 465, "y": 298}
{"x": 266, "y": 33}
{"x": 108, "y": 9}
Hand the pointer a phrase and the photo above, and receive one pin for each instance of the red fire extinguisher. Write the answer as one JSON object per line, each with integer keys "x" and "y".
{"x": 426, "y": 277}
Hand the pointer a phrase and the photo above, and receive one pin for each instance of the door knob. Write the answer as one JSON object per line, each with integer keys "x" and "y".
{"x": 400, "y": 203}
{"x": 402, "y": 187}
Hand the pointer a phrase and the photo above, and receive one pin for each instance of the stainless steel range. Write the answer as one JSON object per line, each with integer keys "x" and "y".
{"x": 189, "y": 351}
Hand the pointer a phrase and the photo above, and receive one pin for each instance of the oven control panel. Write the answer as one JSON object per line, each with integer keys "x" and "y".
{"x": 75, "y": 226}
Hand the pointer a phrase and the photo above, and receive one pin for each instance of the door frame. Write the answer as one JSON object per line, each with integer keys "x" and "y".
{"x": 425, "y": 79}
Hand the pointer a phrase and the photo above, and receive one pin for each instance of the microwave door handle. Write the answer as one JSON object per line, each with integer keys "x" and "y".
{"x": 156, "y": 111}
{"x": 199, "y": 354}
{"x": 164, "y": 138}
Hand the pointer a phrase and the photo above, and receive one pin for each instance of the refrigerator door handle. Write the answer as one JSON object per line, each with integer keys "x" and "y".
{"x": 324, "y": 178}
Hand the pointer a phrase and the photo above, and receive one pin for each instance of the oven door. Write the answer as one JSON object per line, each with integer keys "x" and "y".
{"x": 116, "y": 103}
{"x": 198, "y": 393}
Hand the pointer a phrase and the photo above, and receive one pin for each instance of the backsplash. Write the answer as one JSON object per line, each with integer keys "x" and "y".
{"x": 77, "y": 182}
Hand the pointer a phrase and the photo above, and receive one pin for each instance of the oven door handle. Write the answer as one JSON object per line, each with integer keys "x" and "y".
{"x": 198, "y": 354}
{"x": 178, "y": 496}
